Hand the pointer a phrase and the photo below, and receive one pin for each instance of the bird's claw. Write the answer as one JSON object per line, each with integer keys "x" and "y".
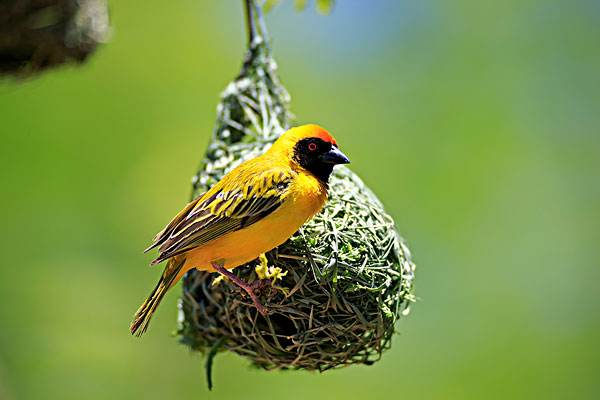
{"x": 260, "y": 284}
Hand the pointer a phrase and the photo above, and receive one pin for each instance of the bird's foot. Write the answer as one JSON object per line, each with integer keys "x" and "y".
{"x": 260, "y": 284}
{"x": 243, "y": 285}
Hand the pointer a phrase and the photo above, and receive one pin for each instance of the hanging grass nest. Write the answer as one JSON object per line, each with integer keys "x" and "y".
{"x": 349, "y": 275}
{"x": 36, "y": 35}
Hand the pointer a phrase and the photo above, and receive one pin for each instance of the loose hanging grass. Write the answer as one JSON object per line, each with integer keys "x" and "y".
{"x": 349, "y": 274}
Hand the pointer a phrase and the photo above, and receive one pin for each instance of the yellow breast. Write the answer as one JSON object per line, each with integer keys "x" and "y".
{"x": 306, "y": 197}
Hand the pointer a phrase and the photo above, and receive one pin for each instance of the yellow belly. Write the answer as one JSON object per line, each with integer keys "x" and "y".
{"x": 245, "y": 245}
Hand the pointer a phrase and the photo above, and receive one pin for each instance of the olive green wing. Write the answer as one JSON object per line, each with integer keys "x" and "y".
{"x": 237, "y": 201}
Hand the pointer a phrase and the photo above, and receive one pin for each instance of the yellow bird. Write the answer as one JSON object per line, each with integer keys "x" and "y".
{"x": 251, "y": 210}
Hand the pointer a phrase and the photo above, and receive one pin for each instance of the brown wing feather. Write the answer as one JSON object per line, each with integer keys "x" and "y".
{"x": 237, "y": 201}
{"x": 167, "y": 230}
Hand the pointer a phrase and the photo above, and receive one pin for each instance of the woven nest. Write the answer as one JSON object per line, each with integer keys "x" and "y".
{"x": 349, "y": 274}
{"x": 36, "y": 35}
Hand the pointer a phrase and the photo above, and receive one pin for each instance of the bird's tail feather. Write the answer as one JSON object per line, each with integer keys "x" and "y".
{"x": 170, "y": 276}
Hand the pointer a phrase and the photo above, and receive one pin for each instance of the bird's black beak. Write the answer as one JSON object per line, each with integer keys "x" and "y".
{"x": 334, "y": 156}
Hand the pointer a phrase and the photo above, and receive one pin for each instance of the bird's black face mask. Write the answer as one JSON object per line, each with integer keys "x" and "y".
{"x": 318, "y": 157}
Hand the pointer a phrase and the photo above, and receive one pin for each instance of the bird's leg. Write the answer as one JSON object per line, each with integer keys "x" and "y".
{"x": 244, "y": 285}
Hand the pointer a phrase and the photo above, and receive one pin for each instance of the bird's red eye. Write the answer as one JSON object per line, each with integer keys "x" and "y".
{"x": 312, "y": 146}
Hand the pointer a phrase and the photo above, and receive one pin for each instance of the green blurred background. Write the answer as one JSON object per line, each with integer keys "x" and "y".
{"x": 477, "y": 123}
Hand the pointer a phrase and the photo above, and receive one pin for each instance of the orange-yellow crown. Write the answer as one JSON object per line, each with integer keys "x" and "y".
{"x": 288, "y": 140}
{"x": 311, "y": 130}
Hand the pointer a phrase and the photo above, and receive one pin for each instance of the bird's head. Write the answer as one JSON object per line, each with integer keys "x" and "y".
{"x": 311, "y": 148}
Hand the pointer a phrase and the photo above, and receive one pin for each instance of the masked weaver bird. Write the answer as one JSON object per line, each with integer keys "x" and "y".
{"x": 251, "y": 210}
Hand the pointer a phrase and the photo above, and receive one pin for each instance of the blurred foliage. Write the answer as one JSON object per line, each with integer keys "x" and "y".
{"x": 475, "y": 123}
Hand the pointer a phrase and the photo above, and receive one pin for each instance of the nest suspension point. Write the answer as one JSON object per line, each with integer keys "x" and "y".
{"x": 348, "y": 274}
